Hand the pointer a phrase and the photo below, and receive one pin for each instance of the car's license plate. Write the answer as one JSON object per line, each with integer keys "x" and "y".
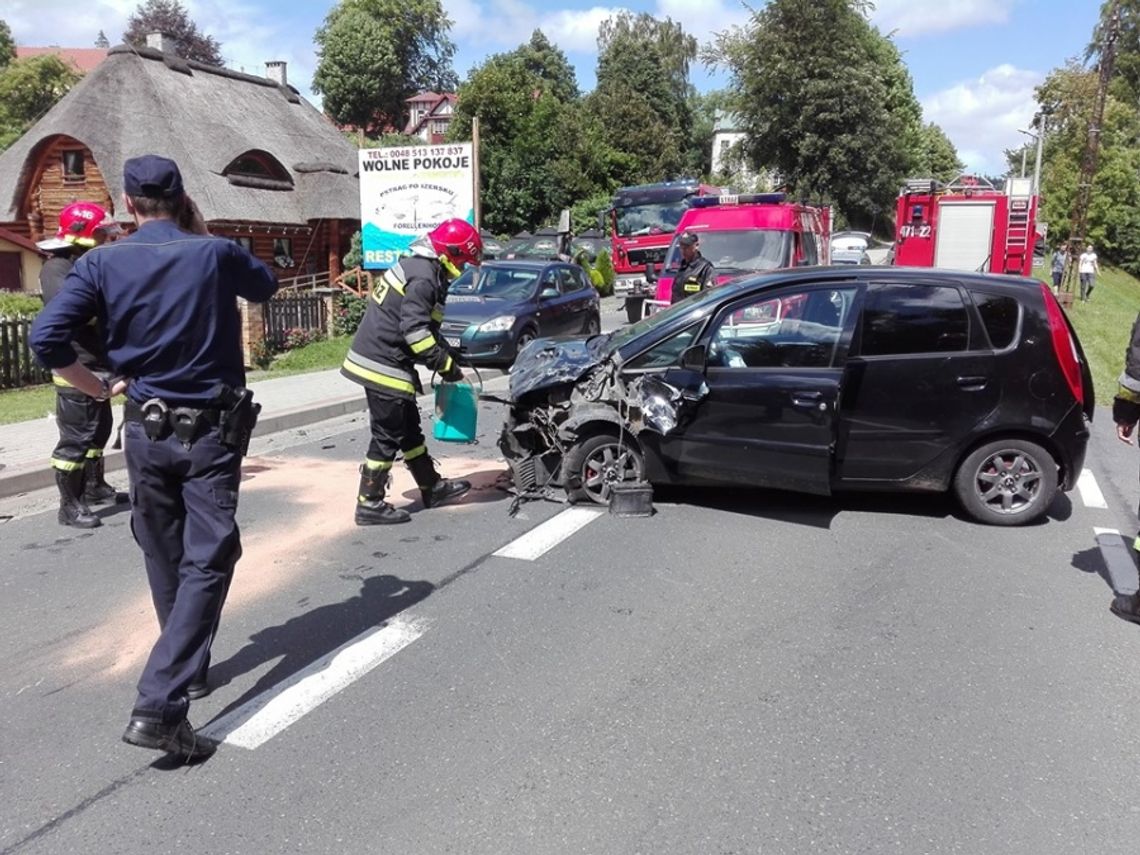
{"x": 452, "y": 340}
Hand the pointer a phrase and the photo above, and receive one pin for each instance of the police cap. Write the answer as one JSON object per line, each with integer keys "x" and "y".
{"x": 688, "y": 239}
{"x": 152, "y": 176}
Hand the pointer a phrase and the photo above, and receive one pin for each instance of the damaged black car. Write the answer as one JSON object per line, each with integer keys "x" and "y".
{"x": 817, "y": 381}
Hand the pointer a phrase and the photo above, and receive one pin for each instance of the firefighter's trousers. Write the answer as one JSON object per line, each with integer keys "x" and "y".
{"x": 84, "y": 425}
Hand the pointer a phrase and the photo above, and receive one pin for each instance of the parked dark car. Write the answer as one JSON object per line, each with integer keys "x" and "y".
{"x": 818, "y": 380}
{"x": 494, "y": 310}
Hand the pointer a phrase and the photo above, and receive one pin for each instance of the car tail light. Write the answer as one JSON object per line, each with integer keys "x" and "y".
{"x": 1063, "y": 345}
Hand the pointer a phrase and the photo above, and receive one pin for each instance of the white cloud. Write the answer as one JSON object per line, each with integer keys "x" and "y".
{"x": 922, "y": 17}
{"x": 982, "y": 116}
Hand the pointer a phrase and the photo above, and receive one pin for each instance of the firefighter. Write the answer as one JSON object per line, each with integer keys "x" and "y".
{"x": 84, "y": 423}
{"x": 1126, "y": 413}
{"x": 696, "y": 272}
{"x": 400, "y": 328}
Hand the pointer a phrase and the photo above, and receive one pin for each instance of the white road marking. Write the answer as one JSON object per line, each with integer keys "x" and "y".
{"x": 1090, "y": 490}
{"x": 541, "y": 539}
{"x": 263, "y": 717}
{"x": 1099, "y": 531}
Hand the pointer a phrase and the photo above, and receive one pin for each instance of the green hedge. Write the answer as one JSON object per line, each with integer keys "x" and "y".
{"x": 12, "y": 305}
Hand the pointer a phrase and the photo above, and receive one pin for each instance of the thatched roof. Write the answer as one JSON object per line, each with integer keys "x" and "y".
{"x": 142, "y": 101}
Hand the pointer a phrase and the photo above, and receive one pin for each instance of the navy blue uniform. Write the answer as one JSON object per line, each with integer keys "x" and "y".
{"x": 166, "y": 302}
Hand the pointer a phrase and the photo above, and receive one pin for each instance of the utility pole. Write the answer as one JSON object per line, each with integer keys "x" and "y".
{"x": 1079, "y": 224}
{"x": 475, "y": 167}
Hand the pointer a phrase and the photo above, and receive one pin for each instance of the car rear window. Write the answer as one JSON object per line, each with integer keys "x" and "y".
{"x": 999, "y": 317}
{"x": 901, "y": 319}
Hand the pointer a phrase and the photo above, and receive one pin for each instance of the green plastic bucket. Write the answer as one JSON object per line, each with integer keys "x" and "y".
{"x": 456, "y": 412}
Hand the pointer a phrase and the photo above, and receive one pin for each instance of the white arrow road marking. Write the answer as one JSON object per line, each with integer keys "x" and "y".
{"x": 263, "y": 717}
{"x": 541, "y": 539}
{"x": 1090, "y": 490}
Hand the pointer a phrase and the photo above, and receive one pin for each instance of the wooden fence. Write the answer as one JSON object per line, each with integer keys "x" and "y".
{"x": 18, "y": 367}
{"x": 294, "y": 311}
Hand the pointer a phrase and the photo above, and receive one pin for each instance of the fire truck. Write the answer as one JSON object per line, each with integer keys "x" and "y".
{"x": 967, "y": 224}
{"x": 642, "y": 220}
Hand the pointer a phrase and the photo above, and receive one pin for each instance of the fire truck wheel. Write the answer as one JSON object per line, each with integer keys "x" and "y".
{"x": 1007, "y": 482}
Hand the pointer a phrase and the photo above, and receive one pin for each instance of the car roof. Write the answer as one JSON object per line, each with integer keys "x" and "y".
{"x": 879, "y": 273}
{"x": 522, "y": 263}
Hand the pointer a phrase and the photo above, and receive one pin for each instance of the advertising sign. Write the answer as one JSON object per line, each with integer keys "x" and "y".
{"x": 405, "y": 192}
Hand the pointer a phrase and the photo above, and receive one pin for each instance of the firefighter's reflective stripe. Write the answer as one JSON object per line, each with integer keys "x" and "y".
{"x": 1136, "y": 543}
{"x": 437, "y": 313}
{"x": 94, "y": 453}
{"x": 66, "y": 465}
{"x": 447, "y": 365}
{"x": 384, "y": 376}
{"x": 376, "y": 465}
{"x": 59, "y": 381}
{"x": 420, "y": 340}
{"x": 413, "y": 453}
{"x": 1128, "y": 394}
{"x": 692, "y": 286}
{"x": 451, "y": 269}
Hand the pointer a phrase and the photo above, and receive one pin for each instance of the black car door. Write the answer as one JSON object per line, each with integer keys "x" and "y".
{"x": 920, "y": 380}
{"x": 774, "y": 371}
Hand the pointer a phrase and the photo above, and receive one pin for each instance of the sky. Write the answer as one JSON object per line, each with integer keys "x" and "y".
{"x": 974, "y": 62}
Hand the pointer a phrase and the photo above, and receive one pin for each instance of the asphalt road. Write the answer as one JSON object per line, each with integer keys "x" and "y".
{"x": 740, "y": 673}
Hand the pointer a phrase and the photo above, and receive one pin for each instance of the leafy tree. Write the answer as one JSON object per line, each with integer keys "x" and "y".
{"x": 823, "y": 102}
{"x": 28, "y": 89}
{"x": 643, "y": 93}
{"x": 1126, "y": 66}
{"x": 375, "y": 54}
{"x": 171, "y": 18}
{"x": 7, "y": 45}
{"x": 1067, "y": 96}
{"x": 102, "y": 41}
{"x": 937, "y": 156}
{"x": 549, "y": 64}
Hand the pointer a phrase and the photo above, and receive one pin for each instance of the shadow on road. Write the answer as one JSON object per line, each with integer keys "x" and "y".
{"x": 303, "y": 639}
{"x": 489, "y": 485}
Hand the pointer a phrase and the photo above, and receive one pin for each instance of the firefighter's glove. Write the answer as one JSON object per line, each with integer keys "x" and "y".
{"x": 454, "y": 374}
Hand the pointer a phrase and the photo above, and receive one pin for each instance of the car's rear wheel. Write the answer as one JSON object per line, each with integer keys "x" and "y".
{"x": 593, "y": 465}
{"x": 1007, "y": 482}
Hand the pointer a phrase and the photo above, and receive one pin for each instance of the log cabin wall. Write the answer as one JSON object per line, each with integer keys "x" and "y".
{"x": 65, "y": 173}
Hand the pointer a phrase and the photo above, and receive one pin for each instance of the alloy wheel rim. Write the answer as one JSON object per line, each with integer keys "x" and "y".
{"x": 1008, "y": 482}
{"x": 606, "y": 466}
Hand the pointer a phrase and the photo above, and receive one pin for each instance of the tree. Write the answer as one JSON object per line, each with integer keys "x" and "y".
{"x": 549, "y": 64}
{"x": 102, "y": 41}
{"x": 169, "y": 17}
{"x": 823, "y": 103}
{"x": 1126, "y": 67}
{"x": 938, "y": 157}
{"x": 375, "y": 54}
{"x": 7, "y": 45}
{"x": 643, "y": 94}
{"x": 28, "y": 89}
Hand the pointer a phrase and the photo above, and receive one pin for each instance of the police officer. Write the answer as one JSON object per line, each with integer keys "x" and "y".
{"x": 400, "y": 328}
{"x": 1126, "y": 413}
{"x": 166, "y": 300}
{"x": 696, "y": 272}
{"x": 84, "y": 423}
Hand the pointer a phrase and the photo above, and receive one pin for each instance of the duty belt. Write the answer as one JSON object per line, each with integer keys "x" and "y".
{"x": 160, "y": 420}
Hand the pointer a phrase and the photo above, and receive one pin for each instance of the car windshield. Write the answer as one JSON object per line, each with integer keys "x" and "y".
{"x": 742, "y": 249}
{"x": 505, "y": 283}
{"x": 658, "y": 219}
{"x": 611, "y": 341}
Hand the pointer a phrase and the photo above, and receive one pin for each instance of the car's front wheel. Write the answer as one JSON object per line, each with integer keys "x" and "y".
{"x": 593, "y": 465}
{"x": 1007, "y": 482}
{"x": 593, "y": 326}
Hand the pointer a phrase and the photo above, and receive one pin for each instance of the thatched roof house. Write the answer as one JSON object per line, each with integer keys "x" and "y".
{"x": 264, "y": 165}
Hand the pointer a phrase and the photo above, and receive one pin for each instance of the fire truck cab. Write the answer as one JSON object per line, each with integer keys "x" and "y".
{"x": 967, "y": 224}
{"x": 749, "y": 233}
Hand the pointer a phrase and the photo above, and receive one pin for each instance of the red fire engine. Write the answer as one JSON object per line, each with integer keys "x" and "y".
{"x": 967, "y": 225}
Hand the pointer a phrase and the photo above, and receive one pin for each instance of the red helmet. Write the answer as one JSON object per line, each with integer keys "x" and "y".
{"x": 78, "y": 223}
{"x": 458, "y": 240}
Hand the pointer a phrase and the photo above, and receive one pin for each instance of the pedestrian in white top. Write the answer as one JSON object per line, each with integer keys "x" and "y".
{"x": 1088, "y": 268}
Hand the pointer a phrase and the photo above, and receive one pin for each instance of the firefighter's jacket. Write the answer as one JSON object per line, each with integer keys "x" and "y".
{"x": 401, "y": 327}
{"x": 1126, "y": 404}
{"x": 693, "y": 276}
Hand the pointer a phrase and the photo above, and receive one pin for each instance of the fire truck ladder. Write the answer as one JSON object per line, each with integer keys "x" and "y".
{"x": 1017, "y": 234}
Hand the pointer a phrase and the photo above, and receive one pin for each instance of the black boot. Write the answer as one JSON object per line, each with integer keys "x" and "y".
{"x": 1126, "y": 607}
{"x": 96, "y": 490}
{"x": 371, "y": 509}
{"x": 434, "y": 489}
{"x": 73, "y": 511}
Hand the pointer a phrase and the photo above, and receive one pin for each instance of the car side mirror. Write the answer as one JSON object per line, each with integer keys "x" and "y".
{"x": 548, "y": 292}
{"x": 694, "y": 358}
{"x": 651, "y": 272}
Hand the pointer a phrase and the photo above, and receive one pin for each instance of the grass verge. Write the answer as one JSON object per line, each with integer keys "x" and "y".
{"x": 1103, "y": 325}
{"x": 37, "y": 402}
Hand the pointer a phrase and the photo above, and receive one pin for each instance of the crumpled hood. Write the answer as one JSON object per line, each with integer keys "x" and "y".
{"x": 548, "y": 362}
